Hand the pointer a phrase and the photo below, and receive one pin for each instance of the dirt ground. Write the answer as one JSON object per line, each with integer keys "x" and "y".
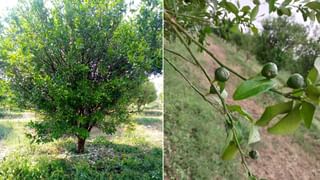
{"x": 280, "y": 157}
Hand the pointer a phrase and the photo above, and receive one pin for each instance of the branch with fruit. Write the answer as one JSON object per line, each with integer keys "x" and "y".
{"x": 302, "y": 99}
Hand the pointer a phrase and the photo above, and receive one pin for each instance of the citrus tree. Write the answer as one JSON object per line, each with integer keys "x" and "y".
{"x": 190, "y": 21}
{"x": 145, "y": 95}
{"x": 78, "y": 63}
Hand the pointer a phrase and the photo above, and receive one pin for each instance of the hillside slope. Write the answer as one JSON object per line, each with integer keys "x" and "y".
{"x": 289, "y": 157}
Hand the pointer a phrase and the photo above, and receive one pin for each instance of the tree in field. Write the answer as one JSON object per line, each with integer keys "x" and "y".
{"x": 79, "y": 63}
{"x": 287, "y": 44}
{"x": 145, "y": 95}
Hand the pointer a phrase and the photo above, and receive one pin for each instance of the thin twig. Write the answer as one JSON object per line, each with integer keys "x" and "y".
{"x": 180, "y": 55}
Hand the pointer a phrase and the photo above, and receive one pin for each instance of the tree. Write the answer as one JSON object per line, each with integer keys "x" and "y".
{"x": 149, "y": 22}
{"x": 145, "y": 95}
{"x": 76, "y": 62}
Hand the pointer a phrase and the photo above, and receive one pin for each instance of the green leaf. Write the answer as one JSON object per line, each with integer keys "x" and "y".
{"x": 221, "y": 86}
{"x": 285, "y": 11}
{"x": 253, "y": 87}
{"x": 307, "y": 112}
{"x": 254, "y": 13}
{"x": 256, "y": 2}
{"x": 288, "y": 124}
{"x": 271, "y": 5}
{"x": 254, "y": 30}
{"x": 231, "y": 7}
{"x": 245, "y": 9}
{"x": 273, "y": 111}
{"x": 237, "y": 108}
{"x": 254, "y": 135}
{"x": 230, "y": 151}
{"x": 313, "y": 93}
{"x": 316, "y": 64}
{"x": 313, "y": 5}
{"x": 318, "y": 17}
{"x": 286, "y": 2}
{"x": 312, "y": 16}
{"x": 312, "y": 76}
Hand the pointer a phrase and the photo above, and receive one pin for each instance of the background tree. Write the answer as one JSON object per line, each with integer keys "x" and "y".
{"x": 76, "y": 62}
{"x": 145, "y": 95}
{"x": 149, "y": 24}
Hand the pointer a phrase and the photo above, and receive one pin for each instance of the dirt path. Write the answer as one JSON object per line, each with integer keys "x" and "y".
{"x": 280, "y": 157}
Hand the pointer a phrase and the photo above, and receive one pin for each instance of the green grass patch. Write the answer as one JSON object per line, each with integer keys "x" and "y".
{"x": 104, "y": 160}
{"x": 148, "y": 121}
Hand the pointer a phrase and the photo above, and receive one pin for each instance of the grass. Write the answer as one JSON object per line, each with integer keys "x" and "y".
{"x": 194, "y": 131}
{"x": 131, "y": 153}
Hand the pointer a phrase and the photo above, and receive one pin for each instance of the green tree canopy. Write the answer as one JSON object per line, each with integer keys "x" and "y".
{"x": 76, "y": 62}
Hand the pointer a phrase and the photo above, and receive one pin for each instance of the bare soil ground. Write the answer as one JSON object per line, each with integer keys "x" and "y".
{"x": 280, "y": 157}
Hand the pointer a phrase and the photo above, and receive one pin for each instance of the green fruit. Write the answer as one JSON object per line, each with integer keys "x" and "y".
{"x": 269, "y": 70}
{"x": 296, "y": 81}
{"x": 222, "y": 74}
{"x": 254, "y": 154}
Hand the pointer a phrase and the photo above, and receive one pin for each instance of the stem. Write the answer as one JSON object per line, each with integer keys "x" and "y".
{"x": 190, "y": 83}
{"x": 180, "y": 55}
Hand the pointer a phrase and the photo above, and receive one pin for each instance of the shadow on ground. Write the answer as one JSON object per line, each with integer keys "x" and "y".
{"x": 149, "y": 121}
{"x": 102, "y": 160}
{"x": 4, "y": 131}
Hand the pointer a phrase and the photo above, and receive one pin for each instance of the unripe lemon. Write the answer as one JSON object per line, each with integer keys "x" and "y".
{"x": 270, "y": 70}
{"x": 222, "y": 74}
{"x": 296, "y": 81}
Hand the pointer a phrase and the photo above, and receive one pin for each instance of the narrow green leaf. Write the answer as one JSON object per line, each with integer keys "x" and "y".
{"x": 230, "y": 151}
{"x": 221, "y": 86}
{"x": 254, "y": 13}
{"x": 313, "y": 93}
{"x": 256, "y": 2}
{"x": 271, "y": 5}
{"x": 314, "y": 5}
{"x": 318, "y": 17}
{"x": 285, "y": 11}
{"x": 312, "y": 16}
{"x": 312, "y": 76}
{"x": 254, "y": 30}
{"x": 307, "y": 112}
{"x": 237, "y": 108}
{"x": 231, "y": 7}
{"x": 288, "y": 124}
{"x": 273, "y": 111}
{"x": 253, "y": 87}
{"x": 286, "y": 2}
{"x": 254, "y": 135}
{"x": 245, "y": 9}
{"x": 316, "y": 64}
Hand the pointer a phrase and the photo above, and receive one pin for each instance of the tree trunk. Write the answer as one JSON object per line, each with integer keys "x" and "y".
{"x": 81, "y": 143}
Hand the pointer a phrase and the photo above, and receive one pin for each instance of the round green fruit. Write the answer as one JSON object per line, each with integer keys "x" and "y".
{"x": 222, "y": 74}
{"x": 269, "y": 70}
{"x": 254, "y": 154}
{"x": 296, "y": 81}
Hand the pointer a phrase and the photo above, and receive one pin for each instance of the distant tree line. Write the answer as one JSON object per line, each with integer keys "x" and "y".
{"x": 288, "y": 44}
